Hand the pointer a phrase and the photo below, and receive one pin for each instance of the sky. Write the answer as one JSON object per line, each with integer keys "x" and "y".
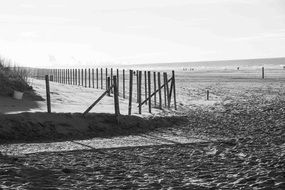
{"x": 74, "y": 33}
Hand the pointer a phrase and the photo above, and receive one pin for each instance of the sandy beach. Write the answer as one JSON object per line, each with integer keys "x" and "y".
{"x": 242, "y": 121}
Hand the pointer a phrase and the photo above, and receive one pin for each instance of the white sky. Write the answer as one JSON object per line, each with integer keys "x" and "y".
{"x": 57, "y": 33}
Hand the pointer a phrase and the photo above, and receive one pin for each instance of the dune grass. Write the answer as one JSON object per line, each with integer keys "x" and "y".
{"x": 12, "y": 78}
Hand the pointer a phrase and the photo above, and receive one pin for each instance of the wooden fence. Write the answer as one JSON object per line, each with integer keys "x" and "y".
{"x": 150, "y": 88}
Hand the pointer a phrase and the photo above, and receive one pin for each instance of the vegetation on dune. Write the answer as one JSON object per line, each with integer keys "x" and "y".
{"x": 12, "y": 78}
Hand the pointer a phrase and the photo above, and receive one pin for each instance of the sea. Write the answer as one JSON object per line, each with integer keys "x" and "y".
{"x": 248, "y": 64}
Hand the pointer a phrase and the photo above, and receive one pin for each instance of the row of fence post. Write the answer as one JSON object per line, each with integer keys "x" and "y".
{"x": 153, "y": 88}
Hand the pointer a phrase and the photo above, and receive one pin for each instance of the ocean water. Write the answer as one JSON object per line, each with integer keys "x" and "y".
{"x": 248, "y": 64}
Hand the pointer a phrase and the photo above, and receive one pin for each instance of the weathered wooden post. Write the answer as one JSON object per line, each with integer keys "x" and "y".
{"x": 154, "y": 87}
{"x": 82, "y": 77}
{"x": 48, "y": 94}
{"x": 89, "y": 78}
{"x": 140, "y": 91}
{"x": 137, "y": 77}
{"x": 130, "y": 92}
{"x": 97, "y": 78}
{"x": 118, "y": 81}
{"x": 101, "y": 78}
{"x": 174, "y": 89}
{"x": 124, "y": 91}
{"x": 159, "y": 90}
{"x": 262, "y": 72}
{"x": 106, "y": 74}
{"x": 149, "y": 92}
{"x": 108, "y": 86}
{"x": 85, "y": 74}
{"x": 75, "y": 76}
{"x": 207, "y": 94}
{"x": 145, "y": 86}
{"x": 78, "y": 77}
{"x": 165, "y": 93}
{"x": 111, "y": 73}
{"x": 93, "y": 79}
{"x": 116, "y": 96}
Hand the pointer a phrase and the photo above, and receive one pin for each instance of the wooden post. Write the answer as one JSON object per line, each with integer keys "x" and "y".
{"x": 130, "y": 92}
{"x": 73, "y": 73}
{"x": 101, "y": 78}
{"x": 164, "y": 82}
{"x": 154, "y": 87}
{"x": 124, "y": 95}
{"x": 78, "y": 77}
{"x": 97, "y": 78}
{"x": 106, "y": 78}
{"x": 89, "y": 78}
{"x": 140, "y": 91}
{"x": 68, "y": 76}
{"x": 93, "y": 86}
{"x": 48, "y": 94}
{"x": 159, "y": 92}
{"x": 167, "y": 91}
{"x": 85, "y": 77}
{"x": 137, "y": 73}
{"x": 207, "y": 94}
{"x": 66, "y": 71}
{"x": 174, "y": 89}
{"x": 82, "y": 77}
{"x": 75, "y": 76}
{"x": 262, "y": 72}
{"x": 111, "y": 79}
{"x": 108, "y": 86}
{"x": 149, "y": 92}
{"x": 145, "y": 86}
{"x": 118, "y": 77}
{"x": 116, "y": 96}
{"x": 59, "y": 75}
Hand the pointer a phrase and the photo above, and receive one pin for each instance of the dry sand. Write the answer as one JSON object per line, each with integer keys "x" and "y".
{"x": 159, "y": 158}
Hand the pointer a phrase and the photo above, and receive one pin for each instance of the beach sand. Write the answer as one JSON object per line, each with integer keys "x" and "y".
{"x": 233, "y": 140}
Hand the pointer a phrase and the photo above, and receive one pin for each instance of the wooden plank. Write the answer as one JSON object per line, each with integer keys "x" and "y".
{"x": 98, "y": 100}
{"x": 149, "y": 92}
{"x": 116, "y": 96}
{"x": 130, "y": 92}
{"x": 48, "y": 94}
{"x": 262, "y": 72}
